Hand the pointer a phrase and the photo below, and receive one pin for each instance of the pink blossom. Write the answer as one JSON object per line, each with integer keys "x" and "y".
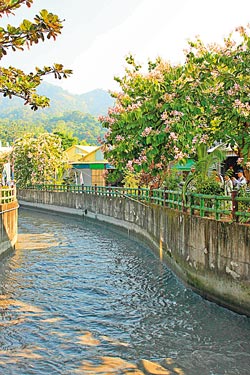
{"x": 164, "y": 115}
{"x": 129, "y": 165}
{"x": 177, "y": 113}
{"x": 138, "y": 162}
{"x": 230, "y": 92}
{"x": 133, "y": 106}
{"x": 159, "y": 165}
{"x": 101, "y": 118}
{"x": 240, "y": 29}
{"x": 195, "y": 139}
{"x": 108, "y": 119}
{"x": 204, "y": 138}
{"x": 106, "y": 135}
{"x": 169, "y": 97}
{"x": 156, "y": 75}
{"x": 119, "y": 138}
{"x": 100, "y": 140}
{"x": 171, "y": 121}
{"x": 173, "y": 136}
{"x": 141, "y": 159}
{"x": 179, "y": 156}
{"x": 234, "y": 90}
{"x": 116, "y": 110}
{"x": 215, "y": 73}
{"x": 146, "y": 132}
{"x": 243, "y": 108}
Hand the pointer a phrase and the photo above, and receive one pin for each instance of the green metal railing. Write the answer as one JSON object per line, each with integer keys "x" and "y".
{"x": 7, "y": 194}
{"x": 218, "y": 207}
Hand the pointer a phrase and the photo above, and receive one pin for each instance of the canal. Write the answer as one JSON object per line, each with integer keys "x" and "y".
{"x": 80, "y": 298}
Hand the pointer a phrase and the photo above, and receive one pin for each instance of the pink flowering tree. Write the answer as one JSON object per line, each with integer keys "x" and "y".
{"x": 137, "y": 137}
{"x": 37, "y": 160}
{"x": 164, "y": 115}
{"x": 225, "y": 89}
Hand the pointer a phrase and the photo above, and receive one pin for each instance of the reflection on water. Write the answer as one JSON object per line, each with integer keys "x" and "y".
{"x": 76, "y": 298}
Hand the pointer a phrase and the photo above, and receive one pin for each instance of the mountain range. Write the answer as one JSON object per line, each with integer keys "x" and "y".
{"x": 74, "y": 114}
{"x": 95, "y": 102}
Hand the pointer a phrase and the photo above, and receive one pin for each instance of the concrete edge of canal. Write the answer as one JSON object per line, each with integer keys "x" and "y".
{"x": 8, "y": 227}
{"x": 211, "y": 257}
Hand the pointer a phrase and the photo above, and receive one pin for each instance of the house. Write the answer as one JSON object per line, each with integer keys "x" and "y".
{"x": 87, "y": 165}
{"x": 231, "y": 158}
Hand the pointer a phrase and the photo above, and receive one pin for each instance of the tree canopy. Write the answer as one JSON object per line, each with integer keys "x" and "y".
{"x": 13, "y": 81}
{"x": 38, "y": 159}
{"x": 163, "y": 115}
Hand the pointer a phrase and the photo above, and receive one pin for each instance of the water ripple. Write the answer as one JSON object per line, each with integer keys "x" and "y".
{"x": 78, "y": 298}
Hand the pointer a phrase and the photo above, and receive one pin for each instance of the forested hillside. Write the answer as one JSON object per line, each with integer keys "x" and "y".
{"x": 75, "y": 114}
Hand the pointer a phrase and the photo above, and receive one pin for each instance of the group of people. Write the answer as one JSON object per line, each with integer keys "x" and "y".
{"x": 230, "y": 183}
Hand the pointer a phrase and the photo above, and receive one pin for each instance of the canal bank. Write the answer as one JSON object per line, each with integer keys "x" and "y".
{"x": 81, "y": 297}
{"x": 212, "y": 257}
{"x": 8, "y": 220}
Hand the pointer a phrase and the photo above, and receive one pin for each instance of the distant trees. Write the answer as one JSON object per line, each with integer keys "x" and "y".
{"x": 164, "y": 114}
{"x": 86, "y": 128}
{"x": 38, "y": 160}
{"x": 67, "y": 139}
{"x": 13, "y": 81}
{"x": 12, "y": 130}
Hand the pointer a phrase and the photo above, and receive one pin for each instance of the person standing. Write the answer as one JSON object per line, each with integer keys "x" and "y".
{"x": 240, "y": 181}
{"x": 228, "y": 185}
{"x": 228, "y": 188}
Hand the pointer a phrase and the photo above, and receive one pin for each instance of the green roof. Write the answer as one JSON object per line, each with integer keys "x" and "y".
{"x": 184, "y": 167}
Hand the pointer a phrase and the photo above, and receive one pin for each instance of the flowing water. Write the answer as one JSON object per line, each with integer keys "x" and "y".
{"x": 80, "y": 298}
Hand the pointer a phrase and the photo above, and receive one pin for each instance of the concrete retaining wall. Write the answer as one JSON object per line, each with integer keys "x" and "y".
{"x": 212, "y": 257}
{"x": 8, "y": 226}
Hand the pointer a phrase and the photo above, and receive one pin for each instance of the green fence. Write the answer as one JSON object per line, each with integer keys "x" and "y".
{"x": 7, "y": 194}
{"x": 218, "y": 207}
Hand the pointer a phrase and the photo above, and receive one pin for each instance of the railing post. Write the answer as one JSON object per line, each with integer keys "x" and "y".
{"x": 202, "y": 207}
{"x": 191, "y": 204}
{"x": 150, "y": 193}
{"x": 171, "y": 199}
{"x": 184, "y": 201}
{"x": 110, "y": 191}
{"x": 95, "y": 189}
{"x": 217, "y": 208}
{"x": 234, "y": 195}
{"x": 165, "y": 196}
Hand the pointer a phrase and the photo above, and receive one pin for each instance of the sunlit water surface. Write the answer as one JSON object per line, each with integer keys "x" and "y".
{"x": 79, "y": 298}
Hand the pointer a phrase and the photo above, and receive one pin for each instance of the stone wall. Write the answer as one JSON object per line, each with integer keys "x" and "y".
{"x": 8, "y": 225}
{"x": 212, "y": 257}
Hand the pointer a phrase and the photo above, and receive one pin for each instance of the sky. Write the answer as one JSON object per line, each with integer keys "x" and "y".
{"x": 99, "y": 34}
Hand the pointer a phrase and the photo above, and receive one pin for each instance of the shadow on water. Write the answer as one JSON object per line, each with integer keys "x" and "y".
{"x": 79, "y": 298}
